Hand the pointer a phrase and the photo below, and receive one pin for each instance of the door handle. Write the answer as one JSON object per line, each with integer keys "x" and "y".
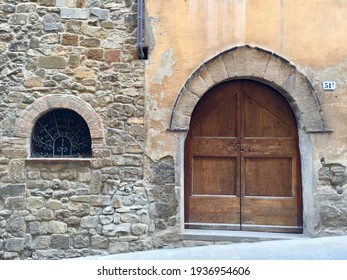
{"x": 242, "y": 149}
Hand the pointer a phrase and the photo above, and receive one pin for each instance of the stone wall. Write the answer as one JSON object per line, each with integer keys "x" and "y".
{"x": 79, "y": 55}
{"x": 331, "y": 199}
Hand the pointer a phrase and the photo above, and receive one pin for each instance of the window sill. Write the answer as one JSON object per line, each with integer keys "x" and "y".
{"x": 58, "y": 160}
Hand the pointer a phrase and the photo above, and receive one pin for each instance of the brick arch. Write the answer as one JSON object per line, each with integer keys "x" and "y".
{"x": 246, "y": 62}
{"x": 47, "y": 103}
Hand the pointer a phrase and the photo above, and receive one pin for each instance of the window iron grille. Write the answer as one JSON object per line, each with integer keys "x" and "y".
{"x": 61, "y": 133}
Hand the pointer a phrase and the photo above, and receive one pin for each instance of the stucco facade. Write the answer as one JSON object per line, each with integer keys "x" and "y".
{"x": 308, "y": 36}
{"x": 129, "y": 194}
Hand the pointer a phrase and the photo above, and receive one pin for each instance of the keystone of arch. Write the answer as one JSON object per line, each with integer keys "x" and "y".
{"x": 47, "y": 103}
{"x": 246, "y": 62}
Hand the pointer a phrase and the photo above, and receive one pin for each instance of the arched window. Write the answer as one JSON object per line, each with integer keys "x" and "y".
{"x": 61, "y": 133}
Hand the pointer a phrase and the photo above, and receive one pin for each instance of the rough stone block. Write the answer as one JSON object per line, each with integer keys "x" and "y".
{"x": 35, "y": 202}
{"x": 60, "y": 241}
{"x": 166, "y": 236}
{"x": 52, "y": 62}
{"x": 8, "y": 8}
{"x": 84, "y": 73}
{"x": 16, "y": 226}
{"x": 56, "y": 227}
{"x": 33, "y": 82}
{"x": 118, "y": 247}
{"x": 15, "y": 244}
{"x": 19, "y": 46}
{"x": 163, "y": 209}
{"x": 130, "y": 19}
{"x": 95, "y": 54}
{"x": 73, "y": 221}
{"x": 66, "y": 3}
{"x": 137, "y": 130}
{"x": 100, "y": 200}
{"x": 206, "y": 76}
{"x": 130, "y": 218}
{"x": 74, "y": 26}
{"x": 284, "y": 72}
{"x": 313, "y": 121}
{"x": 89, "y": 222}
{"x": 15, "y": 203}
{"x": 113, "y": 230}
{"x": 94, "y": 31}
{"x": 197, "y": 85}
{"x": 52, "y": 26}
{"x": 5, "y": 212}
{"x": 90, "y": 42}
{"x": 47, "y": 2}
{"x": 163, "y": 171}
{"x": 41, "y": 243}
{"x": 16, "y": 171}
{"x": 74, "y": 13}
{"x": 260, "y": 63}
{"x": 244, "y": 61}
{"x": 54, "y": 204}
{"x": 18, "y": 19}
{"x": 101, "y": 14}
{"x": 138, "y": 229}
{"x": 186, "y": 103}
{"x": 69, "y": 40}
{"x": 180, "y": 121}
{"x": 217, "y": 70}
{"x": 105, "y": 220}
{"x": 81, "y": 241}
{"x": 108, "y": 210}
{"x": 26, "y": 8}
{"x": 95, "y": 183}
{"x": 45, "y": 214}
{"x": 229, "y": 63}
{"x": 74, "y": 60}
{"x": 273, "y": 66}
{"x": 112, "y": 56}
{"x": 34, "y": 228}
{"x": 99, "y": 242}
{"x": 12, "y": 190}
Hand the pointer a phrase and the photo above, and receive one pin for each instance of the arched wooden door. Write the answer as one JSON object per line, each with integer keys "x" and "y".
{"x": 242, "y": 164}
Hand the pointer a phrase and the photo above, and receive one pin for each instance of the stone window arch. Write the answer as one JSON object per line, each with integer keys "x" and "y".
{"x": 61, "y": 133}
{"x": 49, "y": 104}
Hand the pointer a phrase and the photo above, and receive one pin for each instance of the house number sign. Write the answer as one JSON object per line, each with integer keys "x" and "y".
{"x": 329, "y": 85}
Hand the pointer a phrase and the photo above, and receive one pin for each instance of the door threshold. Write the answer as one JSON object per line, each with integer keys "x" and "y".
{"x": 236, "y": 236}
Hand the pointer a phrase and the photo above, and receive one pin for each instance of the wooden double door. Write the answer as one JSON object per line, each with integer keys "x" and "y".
{"x": 242, "y": 163}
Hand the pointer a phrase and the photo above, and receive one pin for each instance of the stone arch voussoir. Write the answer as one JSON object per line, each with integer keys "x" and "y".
{"x": 47, "y": 103}
{"x": 247, "y": 62}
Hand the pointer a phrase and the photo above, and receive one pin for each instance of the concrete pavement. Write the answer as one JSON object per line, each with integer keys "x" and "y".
{"x": 323, "y": 248}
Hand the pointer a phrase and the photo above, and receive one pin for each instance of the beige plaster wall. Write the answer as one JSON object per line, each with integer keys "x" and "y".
{"x": 311, "y": 34}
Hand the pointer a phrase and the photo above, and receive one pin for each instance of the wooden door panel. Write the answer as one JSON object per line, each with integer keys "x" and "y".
{"x": 261, "y": 122}
{"x": 268, "y": 177}
{"x": 216, "y": 114}
{"x": 270, "y": 100}
{"x": 269, "y": 147}
{"x": 242, "y": 163}
{"x": 215, "y": 176}
{"x": 270, "y": 212}
{"x": 215, "y": 146}
{"x": 214, "y": 209}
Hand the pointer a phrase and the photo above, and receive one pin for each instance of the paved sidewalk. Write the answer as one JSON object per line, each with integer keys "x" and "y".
{"x": 324, "y": 248}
